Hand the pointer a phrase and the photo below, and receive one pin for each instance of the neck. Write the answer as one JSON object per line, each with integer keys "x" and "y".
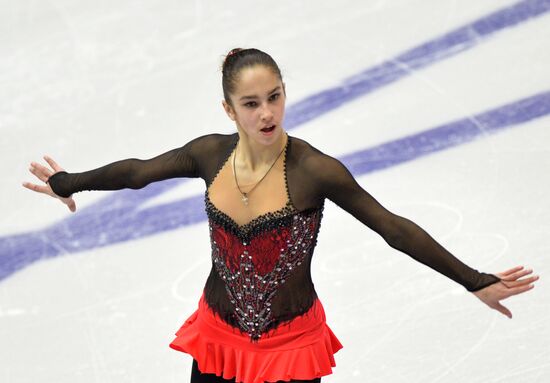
{"x": 254, "y": 155}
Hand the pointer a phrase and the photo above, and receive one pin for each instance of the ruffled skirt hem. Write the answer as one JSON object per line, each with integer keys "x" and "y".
{"x": 303, "y": 349}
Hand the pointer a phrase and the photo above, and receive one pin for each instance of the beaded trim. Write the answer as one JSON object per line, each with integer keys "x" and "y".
{"x": 256, "y": 226}
{"x": 254, "y": 270}
{"x": 254, "y": 260}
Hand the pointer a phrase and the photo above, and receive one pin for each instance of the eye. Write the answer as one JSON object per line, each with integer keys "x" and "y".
{"x": 275, "y": 96}
{"x": 250, "y": 104}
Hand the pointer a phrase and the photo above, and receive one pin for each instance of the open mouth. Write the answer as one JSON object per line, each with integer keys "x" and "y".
{"x": 268, "y": 129}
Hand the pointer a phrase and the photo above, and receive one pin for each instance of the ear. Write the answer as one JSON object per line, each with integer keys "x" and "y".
{"x": 228, "y": 110}
{"x": 284, "y": 89}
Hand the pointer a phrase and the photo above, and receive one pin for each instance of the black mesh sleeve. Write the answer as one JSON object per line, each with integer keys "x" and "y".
{"x": 132, "y": 173}
{"x": 336, "y": 183}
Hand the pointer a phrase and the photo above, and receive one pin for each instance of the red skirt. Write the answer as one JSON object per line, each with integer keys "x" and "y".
{"x": 300, "y": 349}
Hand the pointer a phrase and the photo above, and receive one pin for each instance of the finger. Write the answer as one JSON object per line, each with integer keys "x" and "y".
{"x": 53, "y": 164}
{"x": 518, "y": 290}
{"x": 72, "y": 205}
{"x": 521, "y": 273}
{"x": 40, "y": 171}
{"x": 510, "y": 271}
{"x": 521, "y": 282}
{"x": 503, "y": 310}
{"x": 517, "y": 275}
{"x": 526, "y": 281}
{"x": 36, "y": 188}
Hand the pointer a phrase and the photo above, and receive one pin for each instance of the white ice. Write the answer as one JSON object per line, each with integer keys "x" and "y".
{"x": 89, "y": 83}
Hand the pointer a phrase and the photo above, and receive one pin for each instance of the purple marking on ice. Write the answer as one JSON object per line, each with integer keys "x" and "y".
{"x": 117, "y": 217}
{"x": 446, "y": 136}
{"x": 389, "y": 71}
{"x": 101, "y": 225}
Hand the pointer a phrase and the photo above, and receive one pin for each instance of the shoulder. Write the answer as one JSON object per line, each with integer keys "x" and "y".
{"x": 320, "y": 174}
{"x": 209, "y": 151}
{"x": 304, "y": 150}
{"x": 209, "y": 144}
{"x": 213, "y": 139}
{"x": 312, "y": 159}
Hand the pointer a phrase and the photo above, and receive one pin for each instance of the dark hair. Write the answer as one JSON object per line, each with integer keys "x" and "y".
{"x": 238, "y": 59}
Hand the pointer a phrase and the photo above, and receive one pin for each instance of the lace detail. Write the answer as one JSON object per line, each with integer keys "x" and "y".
{"x": 252, "y": 228}
{"x": 251, "y": 262}
{"x": 253, "y": 268}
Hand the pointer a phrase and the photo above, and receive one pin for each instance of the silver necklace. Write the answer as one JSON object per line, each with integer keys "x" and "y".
{"x": 245, "y": 195}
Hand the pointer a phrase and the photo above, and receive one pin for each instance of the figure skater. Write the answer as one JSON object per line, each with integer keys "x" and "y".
{"x": 259, "y": 318}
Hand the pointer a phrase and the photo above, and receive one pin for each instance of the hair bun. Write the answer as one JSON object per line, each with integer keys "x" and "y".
{"x": 233, "y": 51}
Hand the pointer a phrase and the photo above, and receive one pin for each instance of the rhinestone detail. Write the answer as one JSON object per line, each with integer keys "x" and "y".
{"x": 256, "y": 259}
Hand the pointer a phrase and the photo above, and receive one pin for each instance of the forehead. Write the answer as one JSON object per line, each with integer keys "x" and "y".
{"x": 256, "y": 81}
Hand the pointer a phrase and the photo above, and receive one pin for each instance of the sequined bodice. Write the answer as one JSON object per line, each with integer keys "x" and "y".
{"x": 255, "y": 260}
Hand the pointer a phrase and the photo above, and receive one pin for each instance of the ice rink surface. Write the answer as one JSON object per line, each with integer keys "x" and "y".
{"x": 441, "y": 109}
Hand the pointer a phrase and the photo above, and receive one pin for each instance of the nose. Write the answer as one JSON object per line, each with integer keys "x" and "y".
{"x": 266, "y": 113}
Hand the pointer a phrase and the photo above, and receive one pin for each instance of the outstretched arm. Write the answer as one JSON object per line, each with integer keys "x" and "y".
{"x": 337, "y": 184}
{"x": 130, "y": 173}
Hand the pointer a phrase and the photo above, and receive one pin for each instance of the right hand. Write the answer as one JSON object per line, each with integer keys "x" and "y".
{"x": 43, "y": 173}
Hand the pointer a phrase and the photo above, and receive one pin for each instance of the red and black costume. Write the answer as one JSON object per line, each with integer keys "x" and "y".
{"x": 259, "y": 318}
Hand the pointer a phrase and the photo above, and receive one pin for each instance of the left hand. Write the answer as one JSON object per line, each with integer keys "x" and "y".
{"x": 509, "y": 285}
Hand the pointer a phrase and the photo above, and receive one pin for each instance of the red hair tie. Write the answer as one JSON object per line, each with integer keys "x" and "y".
{"x": 233, "y": 51}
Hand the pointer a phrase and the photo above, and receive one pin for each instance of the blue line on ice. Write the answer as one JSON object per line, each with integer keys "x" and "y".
{"x": 450, "y": 44}
{"x": 116, "y": 218}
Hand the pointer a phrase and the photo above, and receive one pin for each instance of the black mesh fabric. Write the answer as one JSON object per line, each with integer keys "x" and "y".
{"x": 285, "y": 209}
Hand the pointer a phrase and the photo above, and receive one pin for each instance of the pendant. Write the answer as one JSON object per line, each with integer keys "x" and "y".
{"x": 245, "y": 199}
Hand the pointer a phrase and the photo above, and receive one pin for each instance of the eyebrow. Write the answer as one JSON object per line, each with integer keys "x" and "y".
{"x": 249, "y": 97}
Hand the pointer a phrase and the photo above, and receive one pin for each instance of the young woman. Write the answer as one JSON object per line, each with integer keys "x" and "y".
{"x": 259, "y": 318}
